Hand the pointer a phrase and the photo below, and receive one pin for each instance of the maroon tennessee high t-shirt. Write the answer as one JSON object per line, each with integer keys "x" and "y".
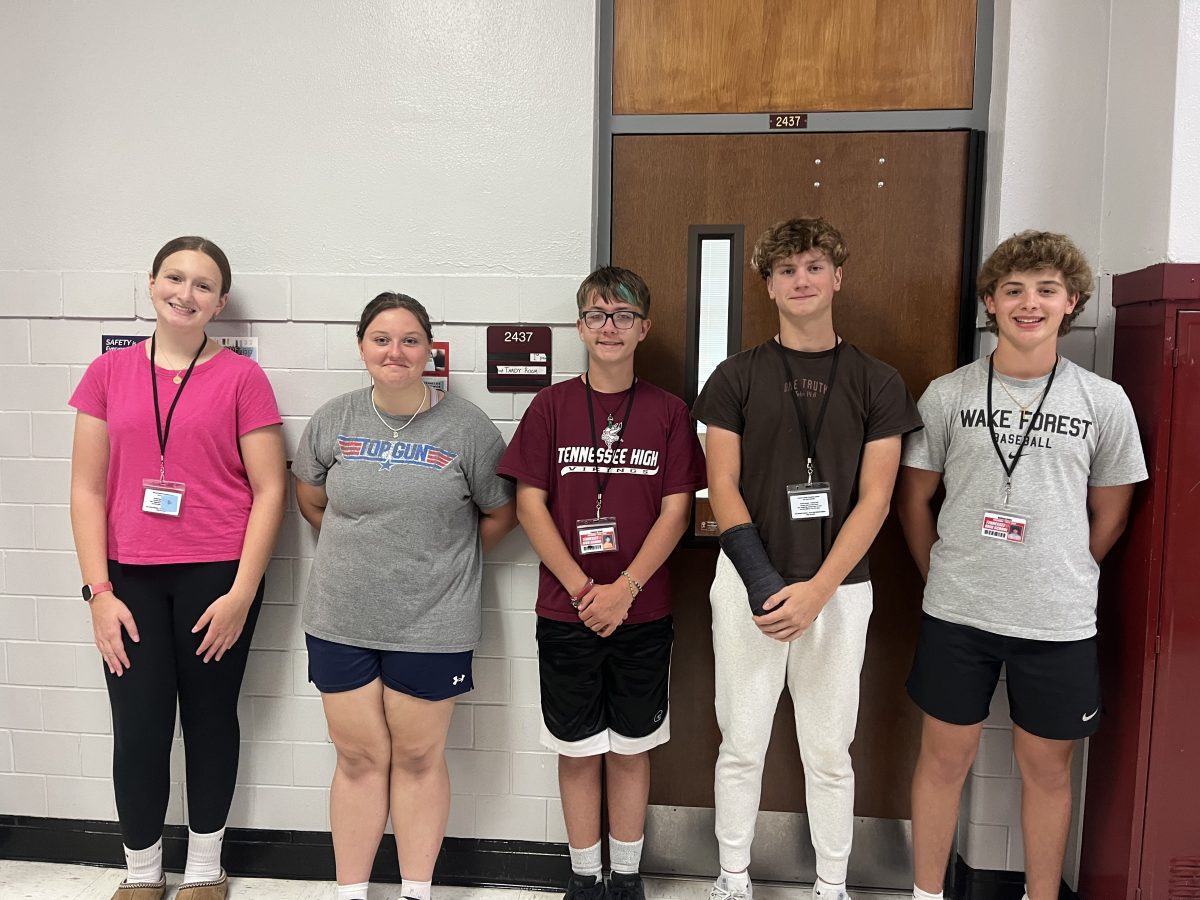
{"x": 657, "y": 455}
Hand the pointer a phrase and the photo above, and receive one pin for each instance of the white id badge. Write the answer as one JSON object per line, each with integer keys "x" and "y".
{"x": 596, "y": 535}
{"x": 1008, "y": 526}
{"x": 164, "y": 498}
{"x": 809, "y": 501}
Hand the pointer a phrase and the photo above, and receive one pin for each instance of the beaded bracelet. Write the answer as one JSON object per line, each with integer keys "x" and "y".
{"x": 635, "y": 586}
{"x": 587, "y": 587}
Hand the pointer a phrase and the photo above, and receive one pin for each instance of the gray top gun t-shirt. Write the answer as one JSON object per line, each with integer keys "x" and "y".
{"x": 1085, "y": 436}
{"x": 398, "y": 563}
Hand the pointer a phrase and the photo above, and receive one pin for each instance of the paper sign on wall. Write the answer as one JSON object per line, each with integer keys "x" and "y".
{"x": 117, "y": 341}
{"x": 243, "y": 346}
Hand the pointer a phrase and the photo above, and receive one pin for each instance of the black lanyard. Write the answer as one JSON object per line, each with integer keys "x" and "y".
{"x": 162, "y": 431}
{"x": 602, "y": 483}
{"x": 810, "y": 445}
{"x": 1008, "y": 470}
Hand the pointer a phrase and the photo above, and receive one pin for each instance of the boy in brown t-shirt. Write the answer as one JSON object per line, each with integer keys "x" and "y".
{"x": 803, "y": 447}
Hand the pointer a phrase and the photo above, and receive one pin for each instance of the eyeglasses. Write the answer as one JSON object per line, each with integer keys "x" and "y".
{"x": 623, "y": 319}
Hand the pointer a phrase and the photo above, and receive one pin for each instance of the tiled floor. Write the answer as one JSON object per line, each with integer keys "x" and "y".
{"x": 52, "y": 881}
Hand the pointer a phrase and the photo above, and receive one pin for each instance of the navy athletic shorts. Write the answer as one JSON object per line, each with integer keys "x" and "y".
{"x": 335, "y": 668}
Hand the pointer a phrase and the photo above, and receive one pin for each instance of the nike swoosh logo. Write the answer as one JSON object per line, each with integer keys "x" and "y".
{"x": 1091, "y": 715}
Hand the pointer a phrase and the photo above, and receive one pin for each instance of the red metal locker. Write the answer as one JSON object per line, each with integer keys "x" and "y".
{"x": 1141, "y": 836}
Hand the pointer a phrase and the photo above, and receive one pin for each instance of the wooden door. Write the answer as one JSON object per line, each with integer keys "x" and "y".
{"x": 900, "y": 201}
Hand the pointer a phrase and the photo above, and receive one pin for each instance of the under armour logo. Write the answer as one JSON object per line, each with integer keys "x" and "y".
{"x": 458, "y": 679}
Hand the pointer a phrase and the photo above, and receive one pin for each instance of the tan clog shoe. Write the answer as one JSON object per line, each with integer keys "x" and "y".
{"x": 142, "y": 890}
{"x": 205, "y": 890}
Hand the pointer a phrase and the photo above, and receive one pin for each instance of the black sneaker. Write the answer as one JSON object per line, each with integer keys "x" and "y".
{"x": 626, "y": 887}
{"x": 582, "y": 887}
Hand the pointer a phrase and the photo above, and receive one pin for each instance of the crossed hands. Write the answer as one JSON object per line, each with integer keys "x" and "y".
{"x": 605, "y": 606}
{"x": 788, "y": 612}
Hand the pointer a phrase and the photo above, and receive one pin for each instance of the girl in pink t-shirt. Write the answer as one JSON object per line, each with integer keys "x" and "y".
{"x": 177, "y": 492}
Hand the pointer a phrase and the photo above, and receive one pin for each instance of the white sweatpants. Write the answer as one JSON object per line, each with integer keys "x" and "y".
{"x": 821, "y": 669}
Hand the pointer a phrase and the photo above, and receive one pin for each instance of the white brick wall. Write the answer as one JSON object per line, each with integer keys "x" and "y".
{"x": 55, "y": 741}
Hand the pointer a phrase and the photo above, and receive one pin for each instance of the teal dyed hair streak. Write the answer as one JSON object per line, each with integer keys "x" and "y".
{"x": 615, "y": 284}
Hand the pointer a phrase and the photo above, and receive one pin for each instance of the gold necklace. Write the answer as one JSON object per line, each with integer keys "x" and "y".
{"x": 396, "y": 431}
{"x": 1024, "y": 407}
{"x": 177, "y": 378}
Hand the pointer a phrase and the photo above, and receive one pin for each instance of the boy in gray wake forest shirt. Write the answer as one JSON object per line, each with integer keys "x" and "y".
{"x": 1038, "y": 458}
{"x": 1043, "y": 587}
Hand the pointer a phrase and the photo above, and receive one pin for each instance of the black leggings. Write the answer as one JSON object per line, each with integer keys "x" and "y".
{"x": 166, "y": 601}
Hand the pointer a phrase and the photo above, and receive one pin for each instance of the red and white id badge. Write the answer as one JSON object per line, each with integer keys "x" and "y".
{"x": 163, "y": 498}
{"x": 1008, "y": 526}
{"x": 596, "y": 535}
{"x": 809, "y": 501}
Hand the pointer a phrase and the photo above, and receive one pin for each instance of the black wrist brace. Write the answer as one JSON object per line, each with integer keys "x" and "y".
{"x": 745, "y": 550}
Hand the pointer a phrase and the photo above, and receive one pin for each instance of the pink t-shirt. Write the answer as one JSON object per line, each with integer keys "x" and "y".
{"x": 226, "y": 397}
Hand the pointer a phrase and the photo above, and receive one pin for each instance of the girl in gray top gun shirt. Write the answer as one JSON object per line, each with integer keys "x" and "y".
{"x": 401, "y": 482}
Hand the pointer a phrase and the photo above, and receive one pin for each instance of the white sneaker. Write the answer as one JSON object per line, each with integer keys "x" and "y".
{"x": 828, "y": 894}
{"x": 722, "y": 891}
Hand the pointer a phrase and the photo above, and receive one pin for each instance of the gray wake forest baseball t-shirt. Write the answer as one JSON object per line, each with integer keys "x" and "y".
{"x": 1085, "y": 436}
{"x": 398, "y": 563}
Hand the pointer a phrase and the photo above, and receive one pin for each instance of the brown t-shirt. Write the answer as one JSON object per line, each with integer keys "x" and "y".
{"x": 748, "y": 395}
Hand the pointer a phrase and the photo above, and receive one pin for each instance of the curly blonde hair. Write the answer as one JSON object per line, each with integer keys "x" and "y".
{"x": 1032, "y": 251}
{"x": 784, "y": 239}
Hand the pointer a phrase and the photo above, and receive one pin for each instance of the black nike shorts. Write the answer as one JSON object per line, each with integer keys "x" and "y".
{"x": 604, "y": 694}
{"x": 1053, "y": 686}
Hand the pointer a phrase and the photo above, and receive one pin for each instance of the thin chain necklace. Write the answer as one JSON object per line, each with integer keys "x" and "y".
{"x": 600, "y": 403}
{"x": 1025, "y": 407}
{"x": 177, "y": 378}
{"x": 396, "y": 431}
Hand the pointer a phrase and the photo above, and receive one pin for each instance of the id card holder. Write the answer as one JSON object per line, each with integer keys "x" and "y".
{"x": 163, "y": 498}
{"x": 809, "y": 501}
{"x": 596, "y": 535}
{"x": 1005, "y": 525}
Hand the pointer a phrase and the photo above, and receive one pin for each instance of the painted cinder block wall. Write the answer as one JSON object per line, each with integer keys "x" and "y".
{"x": 334, "y": 152}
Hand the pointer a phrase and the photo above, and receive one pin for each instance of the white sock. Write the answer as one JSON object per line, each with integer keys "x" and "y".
{"x": 824, "y": 889}
{"x": 586, "y": 862}
{"x": 415, "y": 890}
{"x": 625, "y": 857}
{"x": 145, "y": 866}
{"x": 735, "y": 879}
{"x": 919, "y": 894}
{"x": 353, "y": 891}
{"x": 203, "y": 857}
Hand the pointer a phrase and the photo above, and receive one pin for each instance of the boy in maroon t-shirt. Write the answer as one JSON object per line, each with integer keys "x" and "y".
{"x": 605, "y": 465}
